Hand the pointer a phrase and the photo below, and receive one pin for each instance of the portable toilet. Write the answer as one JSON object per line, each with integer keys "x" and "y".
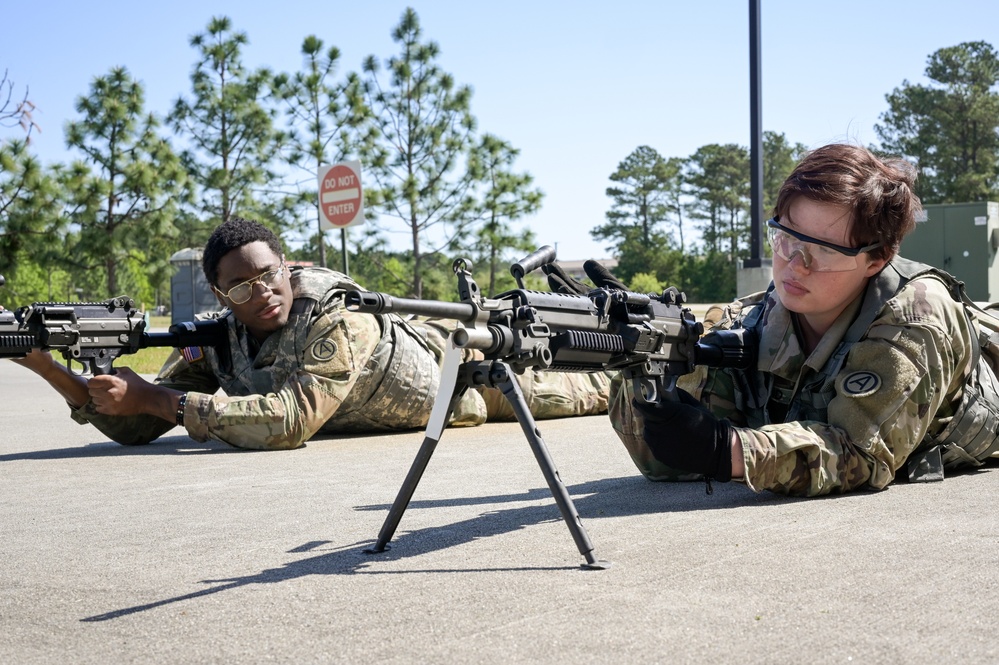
{"x": 190, "y": 293}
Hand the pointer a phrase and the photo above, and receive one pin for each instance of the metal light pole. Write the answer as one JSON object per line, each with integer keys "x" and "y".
{"x": 755, "y": 141}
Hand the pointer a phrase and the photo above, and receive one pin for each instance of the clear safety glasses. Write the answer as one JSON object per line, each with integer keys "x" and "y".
{"x": 817, "y": 255}
{"x": 243, "y": 291}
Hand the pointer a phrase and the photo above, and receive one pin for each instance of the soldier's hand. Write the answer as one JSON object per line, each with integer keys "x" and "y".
{"x": 682, "y": 434}
{"x": 602, "y": 277}
{"x": 123, "y": 393}
{"x": 560, "y": 281}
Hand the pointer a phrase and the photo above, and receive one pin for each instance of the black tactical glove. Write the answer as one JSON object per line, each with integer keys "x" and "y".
{"x": 683, "y": 435}
{"x": 559, "y": 281}
{"x": 602, "y": 277}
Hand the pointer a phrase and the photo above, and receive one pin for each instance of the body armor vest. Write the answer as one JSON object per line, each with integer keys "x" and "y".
{"x": 973, "y": 432}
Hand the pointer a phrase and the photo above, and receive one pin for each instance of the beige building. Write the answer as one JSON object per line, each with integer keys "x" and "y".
{"x": 575, "y": 268}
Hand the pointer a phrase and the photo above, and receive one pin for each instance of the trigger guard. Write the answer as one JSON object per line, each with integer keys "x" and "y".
{"x": 647, "y": 388}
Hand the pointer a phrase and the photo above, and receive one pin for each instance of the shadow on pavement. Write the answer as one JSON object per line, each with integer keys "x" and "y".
{"x": 610, "y": 497}
{"x": 168, "y": 445}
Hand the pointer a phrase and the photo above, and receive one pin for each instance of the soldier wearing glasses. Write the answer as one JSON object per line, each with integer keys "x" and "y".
{"x": 868, "y": 364}
{"x": 296, "y": 364}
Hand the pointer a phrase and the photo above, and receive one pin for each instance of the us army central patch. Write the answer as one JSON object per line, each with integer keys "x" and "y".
{"x": 861, "y": 384}
{"x": 324, "y": 350}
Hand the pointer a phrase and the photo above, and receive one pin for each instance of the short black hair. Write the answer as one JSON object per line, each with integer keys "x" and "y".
{"x": 231, "y": 235}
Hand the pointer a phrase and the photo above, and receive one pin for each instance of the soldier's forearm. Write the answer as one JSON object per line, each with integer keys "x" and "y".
{"x": 73, "y": 388}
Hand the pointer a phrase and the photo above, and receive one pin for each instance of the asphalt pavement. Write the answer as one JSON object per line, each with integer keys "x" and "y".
{"x": 187, "y": 552}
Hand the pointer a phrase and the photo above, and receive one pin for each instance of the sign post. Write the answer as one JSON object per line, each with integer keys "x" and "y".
{"x": 341, "y": 200}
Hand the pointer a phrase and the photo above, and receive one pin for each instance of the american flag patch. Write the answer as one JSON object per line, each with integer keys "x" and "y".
{"x": 192, "y": 354}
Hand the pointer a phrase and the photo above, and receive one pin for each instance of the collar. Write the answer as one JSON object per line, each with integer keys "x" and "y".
{"x": 781, "y": 350}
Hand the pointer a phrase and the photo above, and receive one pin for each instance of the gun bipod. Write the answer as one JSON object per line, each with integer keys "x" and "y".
{"x": 497, "y": 374}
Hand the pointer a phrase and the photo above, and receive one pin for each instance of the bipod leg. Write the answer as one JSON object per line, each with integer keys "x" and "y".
{"x": 502, "y": 378}
{"x": 448, "y": 394}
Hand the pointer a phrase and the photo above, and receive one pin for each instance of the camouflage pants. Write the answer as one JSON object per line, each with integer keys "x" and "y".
{"x": 553, "y": 395}
{"x": 548, "y": 394}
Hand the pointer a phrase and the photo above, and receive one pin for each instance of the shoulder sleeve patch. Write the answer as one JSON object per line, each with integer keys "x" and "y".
{"x": 328, "y": 350}
{"x": 860, "y": 384}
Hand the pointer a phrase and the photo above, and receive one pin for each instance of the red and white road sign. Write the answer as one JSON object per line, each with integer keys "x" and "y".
{"x": 341, "y": 199}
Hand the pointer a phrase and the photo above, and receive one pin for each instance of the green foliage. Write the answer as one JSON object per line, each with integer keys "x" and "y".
{"x": 779, "y": 159}
{"x": 135, "y": 280}
{"x": 712, "y": 185}
{"x": 636, "y": 255}
{"x": 108, "y": 222}
{"x": 717, "y": 177}
{"x": 33, "y": 283}
{"x": 644, "y": 196}
{"x": 389, "y": 272}
{"x": 951, "y": 127}
{"x": 123, "y": 193}
{"x": 645, "y": 282}
{"x": 29, "y": 211}
{"x": 709, "y": 278}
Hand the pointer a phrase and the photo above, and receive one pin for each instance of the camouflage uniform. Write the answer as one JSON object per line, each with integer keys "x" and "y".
{"x": 328, "y": 370}
{"x": 851, "y": 413}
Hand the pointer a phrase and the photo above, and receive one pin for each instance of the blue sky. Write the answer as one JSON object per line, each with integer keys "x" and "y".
{"x": 575, "y": 86}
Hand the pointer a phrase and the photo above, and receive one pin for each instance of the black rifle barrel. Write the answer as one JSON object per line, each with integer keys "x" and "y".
{"x": 372, "y": 302}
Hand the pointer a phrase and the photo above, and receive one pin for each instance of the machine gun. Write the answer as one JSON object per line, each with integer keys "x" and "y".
{"x": 651, "y": 339}
{"x": 94, "y": 333}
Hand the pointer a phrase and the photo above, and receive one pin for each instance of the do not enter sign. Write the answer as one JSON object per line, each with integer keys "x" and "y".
{"x": 341, "y": 199}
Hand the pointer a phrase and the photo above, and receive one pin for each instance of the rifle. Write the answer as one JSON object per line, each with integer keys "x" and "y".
{"x": 94, "y": 333}
{"x": 652, "y": 339}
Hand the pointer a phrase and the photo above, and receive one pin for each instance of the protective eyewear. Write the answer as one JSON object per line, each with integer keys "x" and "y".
{"x": 817, "y": 255}
{"x": 243, "y": 291}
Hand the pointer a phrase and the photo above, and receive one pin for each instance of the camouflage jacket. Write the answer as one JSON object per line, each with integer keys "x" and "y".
{"x": 806, "y": 430}
{"x": 328, "y": 370}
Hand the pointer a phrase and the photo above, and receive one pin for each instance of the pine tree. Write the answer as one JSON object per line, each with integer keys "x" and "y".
{"x": 640, "y": 201}
{"x": 950, "y": 128}
{"x": 426, "y": 129}
{"x": 717, "y": 178}
{"x": 326, "y": 120}
{"x": 124, "y": 191}
{"x": 29, "y": 218}
{"x": 504, "y": 197}
{"x": 229, "y": 134}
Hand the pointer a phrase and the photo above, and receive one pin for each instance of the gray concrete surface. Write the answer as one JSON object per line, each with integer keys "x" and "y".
{"x": 181, "y": 552}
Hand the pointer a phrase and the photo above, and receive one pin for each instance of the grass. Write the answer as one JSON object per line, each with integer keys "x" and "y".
{"x": 146, "y": 361}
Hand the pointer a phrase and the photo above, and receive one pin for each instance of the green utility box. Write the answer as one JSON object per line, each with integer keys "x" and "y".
{"x": 963, "y": 239}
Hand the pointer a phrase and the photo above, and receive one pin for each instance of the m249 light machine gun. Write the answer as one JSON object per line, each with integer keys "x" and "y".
{"x": 651, "y": 339}
{"x": 94, "y": 333}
